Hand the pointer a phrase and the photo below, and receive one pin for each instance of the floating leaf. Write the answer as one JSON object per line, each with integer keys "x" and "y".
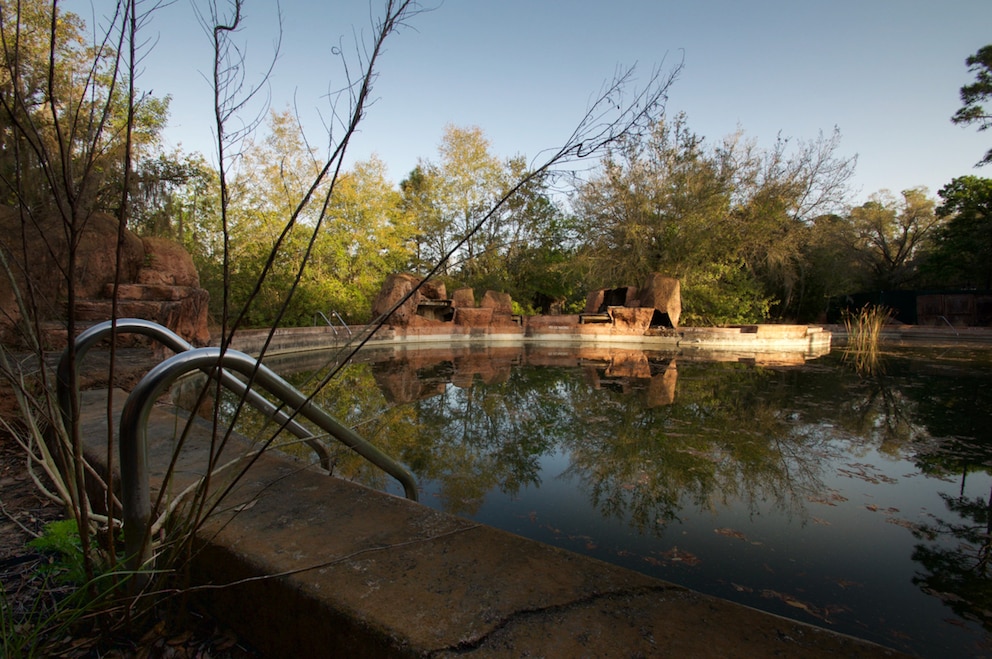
{"x": 730, "y": 533}
{"x": 676, "y": 555}
{"x": 905, "y": 523}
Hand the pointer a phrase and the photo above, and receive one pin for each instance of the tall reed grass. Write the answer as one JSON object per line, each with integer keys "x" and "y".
{"x": 864, "y": 330}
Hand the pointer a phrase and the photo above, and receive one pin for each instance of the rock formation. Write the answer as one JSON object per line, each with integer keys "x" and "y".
{"x": 664, "y": 295}
{"x": 660, "y": 293}
{"x": 395, "y": 288}
{"x": 157, "y": 279}
{"x": 429, "y": 307}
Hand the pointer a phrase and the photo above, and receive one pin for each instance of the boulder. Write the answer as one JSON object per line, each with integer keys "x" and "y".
{"x": 46, "y": 247}
{"x": 500, "y": 303}
{"x": 167, "y": 264}
{"x": 594, "y": 301}
{"x": 599, "y": 301}
{"x": 631, "y": 320}
{"x": 463, "y": 297}
{"x": 473, "y": 317}
{"x": 432, "y": 289}
{"x": 663, "y": 294}
{"x": 394, "y": 289}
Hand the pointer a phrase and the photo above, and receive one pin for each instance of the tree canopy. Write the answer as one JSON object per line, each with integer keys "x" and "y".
{"x": 963, "y": 247}
{"x": 975, "y": 94}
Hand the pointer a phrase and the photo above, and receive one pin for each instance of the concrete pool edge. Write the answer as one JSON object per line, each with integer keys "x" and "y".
{"x": 323, "y": 565}
{"x": 806, "y": 339}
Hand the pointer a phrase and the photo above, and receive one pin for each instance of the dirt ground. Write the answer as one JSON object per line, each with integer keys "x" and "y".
{"x": 23, "y": 515}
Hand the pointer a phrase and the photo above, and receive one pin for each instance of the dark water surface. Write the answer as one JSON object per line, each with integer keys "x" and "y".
{"x": 860, "y": 503}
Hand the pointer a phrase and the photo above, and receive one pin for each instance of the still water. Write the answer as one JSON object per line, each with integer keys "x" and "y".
{"x": 857, "y": 502}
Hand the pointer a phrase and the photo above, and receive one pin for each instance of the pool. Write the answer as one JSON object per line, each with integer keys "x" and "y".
{"x": 859, "y": 503}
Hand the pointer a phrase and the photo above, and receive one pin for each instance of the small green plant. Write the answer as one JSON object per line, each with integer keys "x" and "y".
{"x": 60, "y": 542}
{"x": 68, "y": 599}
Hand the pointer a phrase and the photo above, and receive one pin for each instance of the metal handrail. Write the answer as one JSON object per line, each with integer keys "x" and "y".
{"x": 212, "y": 361}
{"x": 176, "y": 343}
{"x": 326, "y": 319}
{"x": 330, "y": 324}
{"x": 344, "y": 324}
{"x": 134, "y": 421}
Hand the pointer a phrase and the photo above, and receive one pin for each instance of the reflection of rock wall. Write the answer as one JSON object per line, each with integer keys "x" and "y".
{"x": 417, "y": 374}
{"x": 404, "y": 385}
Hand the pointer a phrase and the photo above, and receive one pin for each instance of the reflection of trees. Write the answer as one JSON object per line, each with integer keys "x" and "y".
{"x": 734, "y": 433}
{"x": 490, "y": 435}
{"x": 884, "y": 414}
{"x": 956, "y": 558}
{"x": 724, "y": 441}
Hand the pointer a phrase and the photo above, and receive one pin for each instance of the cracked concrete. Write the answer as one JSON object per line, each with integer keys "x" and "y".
{"x": 304, "y": 564}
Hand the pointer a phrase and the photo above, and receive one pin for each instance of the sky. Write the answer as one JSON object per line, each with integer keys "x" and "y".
{"x": 886, "y": 73}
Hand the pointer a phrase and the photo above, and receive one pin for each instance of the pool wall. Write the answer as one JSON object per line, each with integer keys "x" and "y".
{"x": 809, "y": 340}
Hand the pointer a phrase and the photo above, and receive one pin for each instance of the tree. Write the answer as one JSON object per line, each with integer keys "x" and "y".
{"x": 962, "y": 255}
{"x": 70, "y": 117}
{"x": 973, "y": 95}
{"x": 893, "y": 236}
{"x": 449, "y": 199}
{"x": 831, "y": 265}
{"x": 367, "y": 236}
{"x": 780, "y": 194}
{"x": 462, "y": 186}
{"x": 171, "y": 197}
{"x": 728, "y": 220}
{"x": 420, "y": 201}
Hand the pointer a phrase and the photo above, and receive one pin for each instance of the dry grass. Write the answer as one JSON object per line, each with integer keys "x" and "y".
{"x": 864, "y": 330}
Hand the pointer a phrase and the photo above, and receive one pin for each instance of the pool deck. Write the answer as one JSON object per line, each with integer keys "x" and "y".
{"x": 304, "y": 564}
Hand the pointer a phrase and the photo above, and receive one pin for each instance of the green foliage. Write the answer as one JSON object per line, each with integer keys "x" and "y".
{"x": 81, "y": 97}
{"x": 893, "y": 237}
{"x": 962, "y": 255}
{"x": 976, "y": 93}
{"x": 60, "y": 540}
{"x": 329, "y": 257}
{"x": 730, "y": 221}
{"x": 723, "y": 294}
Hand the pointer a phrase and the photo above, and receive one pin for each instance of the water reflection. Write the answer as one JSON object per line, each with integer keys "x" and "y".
{"x": 861, "y": 503}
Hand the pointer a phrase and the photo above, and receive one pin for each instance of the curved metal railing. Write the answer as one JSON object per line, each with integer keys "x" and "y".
{"x": 136, "y": 493}
{"x": 177, "y": 344}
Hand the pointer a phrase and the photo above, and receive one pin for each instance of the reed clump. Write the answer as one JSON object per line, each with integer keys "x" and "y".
{"x": 864, "y": 331}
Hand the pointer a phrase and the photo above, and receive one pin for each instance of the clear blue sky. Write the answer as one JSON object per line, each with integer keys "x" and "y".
{"x": 885, "y": 72}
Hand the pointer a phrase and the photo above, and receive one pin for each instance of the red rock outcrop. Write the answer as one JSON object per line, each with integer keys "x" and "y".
{"x": 463, "y": 297}
{"x": 663, "y": 294}
{"x": 156, "y": 280}
{"x": 394, "y": 289}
